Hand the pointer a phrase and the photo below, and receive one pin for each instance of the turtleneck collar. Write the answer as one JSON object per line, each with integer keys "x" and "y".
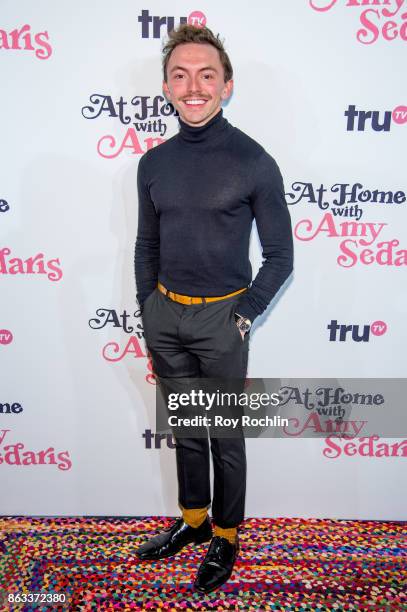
{"x": 207, "y": 133}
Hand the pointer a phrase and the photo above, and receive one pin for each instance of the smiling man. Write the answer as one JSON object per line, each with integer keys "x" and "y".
{"x": 195, "y": 83}
{"x": 198, "y": 195}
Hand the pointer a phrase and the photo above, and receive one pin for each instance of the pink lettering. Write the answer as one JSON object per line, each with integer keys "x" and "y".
{"x": 399, "y": 446}
{"x": 387, "y": 13}
{"x": 16, "y": 266}
{"x": 56, "y": 273}
{"x": 350, "y": 448}
{"x": 304, "y": 229}
{"x": 388, "y": 28}
{"x": 132, "y": 347}
{"x": 31, "y": 265}
{"x": 327, "y": 224}
{"x": 3, "y": 433}
{"x": 312, "y": 422}
{"x": 21, "y": 39}
{"x": 65, "y": 460}
{"x": 130, "y": 141}
{"x": 363, "y": 34}
{"x": 333, "y": 450}
{"x": 13, "y": 455}
{"x": 3, "y": 40}
{"x": 38, "y": 260}
{"x": 364, "y": 447}
{"x": 22, "y": 33}
{"x": 385, "y": 255}
{"x": 370, "y": 18}
{"x": 46, "y": 51}
{"x": 3, "y": 265}
{"x": 322, "y": 8}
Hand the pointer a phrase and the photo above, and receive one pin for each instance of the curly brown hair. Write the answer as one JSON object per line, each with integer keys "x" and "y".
{"x": 186, "y": 33}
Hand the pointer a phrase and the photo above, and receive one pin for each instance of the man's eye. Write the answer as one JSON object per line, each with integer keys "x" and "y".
{"x": 178, "y": 76}
{"x": 208, "y": 76}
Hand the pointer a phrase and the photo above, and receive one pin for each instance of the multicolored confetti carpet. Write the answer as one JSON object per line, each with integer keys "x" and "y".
{"x": 284, "y": 564}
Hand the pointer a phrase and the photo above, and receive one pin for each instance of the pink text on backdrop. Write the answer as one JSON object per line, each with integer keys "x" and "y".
{"x": 384, "y": 19}
{"x": 368, "y": 446}
{"x": 130, "y": 142}
{"x": 22, "y": 40}
{"x": 356, "y": 235}
{"x": 14, "y": 454}
{"x": 132, "y": 347}
{"x": 32, "y": 265}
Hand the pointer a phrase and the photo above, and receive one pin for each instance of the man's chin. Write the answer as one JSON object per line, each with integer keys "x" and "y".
{"x": 196, "y": 119}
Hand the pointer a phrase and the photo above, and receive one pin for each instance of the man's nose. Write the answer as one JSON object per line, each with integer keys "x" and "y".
{"x": 194, "y": 83}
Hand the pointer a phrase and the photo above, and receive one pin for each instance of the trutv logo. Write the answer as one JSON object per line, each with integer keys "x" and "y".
{"x": 344, "y": 332}
{"x": 5, "y": 336}
{"x": 196, "y": 18}
{"x": 361, "y": 120}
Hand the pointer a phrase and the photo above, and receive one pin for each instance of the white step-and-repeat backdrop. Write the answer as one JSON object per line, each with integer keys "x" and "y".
{"x": 321, "y": 85}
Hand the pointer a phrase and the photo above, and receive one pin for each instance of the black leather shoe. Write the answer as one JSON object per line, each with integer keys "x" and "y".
{"x": 217, "y": 566}
{"x": 173, "y": 539}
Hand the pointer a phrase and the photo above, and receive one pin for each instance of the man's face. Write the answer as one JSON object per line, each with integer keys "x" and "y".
{"x": 195, "y": 82}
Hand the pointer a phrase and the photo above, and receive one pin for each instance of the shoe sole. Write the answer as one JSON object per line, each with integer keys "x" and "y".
{"x": 206, "y": 591}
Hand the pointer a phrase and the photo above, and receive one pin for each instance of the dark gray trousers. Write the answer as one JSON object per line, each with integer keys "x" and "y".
{"x": 202, "y": 341}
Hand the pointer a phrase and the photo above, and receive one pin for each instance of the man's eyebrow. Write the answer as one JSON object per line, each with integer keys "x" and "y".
{"x": 186, "y": 70}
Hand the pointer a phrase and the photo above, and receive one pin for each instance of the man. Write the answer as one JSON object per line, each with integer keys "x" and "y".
{"x": 198, "y": 195}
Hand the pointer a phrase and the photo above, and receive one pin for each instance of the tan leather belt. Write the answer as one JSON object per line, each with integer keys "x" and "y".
{"x": 188, "y": 300}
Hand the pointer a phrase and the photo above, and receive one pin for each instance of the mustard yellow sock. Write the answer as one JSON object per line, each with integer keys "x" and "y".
{"x": 194, "y": 517}
{"x": 230, "y": 533}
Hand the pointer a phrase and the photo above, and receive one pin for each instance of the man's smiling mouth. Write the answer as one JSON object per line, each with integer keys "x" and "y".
{"x": 195, "y": 102}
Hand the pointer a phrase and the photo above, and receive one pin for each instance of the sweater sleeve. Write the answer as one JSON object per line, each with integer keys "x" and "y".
{"x": 274, "y": 228}
{"x": 147, "y": 247}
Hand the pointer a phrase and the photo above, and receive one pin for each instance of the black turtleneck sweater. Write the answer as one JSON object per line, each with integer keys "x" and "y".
{"x": 198, "y": 194}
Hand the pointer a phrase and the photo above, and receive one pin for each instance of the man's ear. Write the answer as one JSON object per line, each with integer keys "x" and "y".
{"x": 227, "y": 90}
{"x": 166, "y": 91}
